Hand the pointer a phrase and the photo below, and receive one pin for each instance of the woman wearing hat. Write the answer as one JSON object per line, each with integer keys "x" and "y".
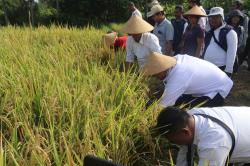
{"x": 200, "y": 83}
{"x": 140, "y": 42}
{"x": 193, "y": 38}
{"x": 111, "y": 40}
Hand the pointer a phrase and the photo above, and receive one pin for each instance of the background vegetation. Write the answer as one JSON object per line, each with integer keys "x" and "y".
{"x": 82, "y": 12}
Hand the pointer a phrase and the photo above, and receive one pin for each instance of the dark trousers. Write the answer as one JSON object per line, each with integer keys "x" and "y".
{"x": 189, "y": 101}
{"x": 245, "y": 54}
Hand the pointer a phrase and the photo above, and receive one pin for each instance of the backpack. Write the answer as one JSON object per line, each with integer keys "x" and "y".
{"x": 222, "y": 38}
{"x": 222, "y": 42}
{"x": 239, "y": 30}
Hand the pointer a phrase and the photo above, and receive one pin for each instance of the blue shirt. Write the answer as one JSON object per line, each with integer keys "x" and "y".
{"x": 165, "y": 32}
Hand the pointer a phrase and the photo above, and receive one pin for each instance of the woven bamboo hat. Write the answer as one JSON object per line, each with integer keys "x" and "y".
{"x": 157, "y": 63}
{"x": 136, "y": 25}
{"x": 195, "y": 11}
{"x": 109, "y": 39}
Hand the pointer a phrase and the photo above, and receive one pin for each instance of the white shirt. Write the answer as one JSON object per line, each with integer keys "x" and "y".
{"x": 216, "y": 55}
{"x": 213, "y": 141}
{"x": 136, "y": 13}
{"x": 148, "y": 43}
{"x": 194, "y": 76}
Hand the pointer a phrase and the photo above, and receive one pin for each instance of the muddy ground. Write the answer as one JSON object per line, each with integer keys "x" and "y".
{"x": 240, "y": 94}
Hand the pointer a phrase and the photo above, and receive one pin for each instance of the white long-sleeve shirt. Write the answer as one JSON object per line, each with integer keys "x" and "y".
{"x": 148, "y": 43}
{"x": 216, "y": 55}
{"x": 194, "y": 76}
{"x": 213, "y": 141}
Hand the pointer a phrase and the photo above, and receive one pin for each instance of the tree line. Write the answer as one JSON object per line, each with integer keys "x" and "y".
{"x": 79, "y": 12}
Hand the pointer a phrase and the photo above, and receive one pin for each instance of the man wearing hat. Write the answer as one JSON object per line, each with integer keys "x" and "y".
{"x": 189, "y": 81}
{"x": 163, "y": 29}
{"x": 140, "y": 42}
{"x": 218, "y": 133}
{"x": 220, "y": 42}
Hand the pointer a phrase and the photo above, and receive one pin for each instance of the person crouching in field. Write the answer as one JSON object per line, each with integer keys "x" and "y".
{"x": 140, "y": 42}
{"x": 218, "y": 133}
{"x": 111, "y": 40}
{"x": 189, "y": 81}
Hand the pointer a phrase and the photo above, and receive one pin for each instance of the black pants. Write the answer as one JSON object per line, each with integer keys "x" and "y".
{"x": 246, "y": 53}
{"x": 188, "y": 101}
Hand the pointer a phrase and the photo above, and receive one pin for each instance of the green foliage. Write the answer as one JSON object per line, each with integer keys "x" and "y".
{"x": 83, "y": 12}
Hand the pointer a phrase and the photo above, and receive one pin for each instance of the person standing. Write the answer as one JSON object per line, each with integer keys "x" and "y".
{"x": 238, "y": 5}
{"x": 193, "y": 38}
{"x": 203, "y": 22}
{"x": 180, "y": 24}
{"x": 140, "y": 42}
{"x": 133, "y": 9}
{"x": 235, "y": 20}
{"x": 220, "y": 42}
{"x": 163, "y": 29}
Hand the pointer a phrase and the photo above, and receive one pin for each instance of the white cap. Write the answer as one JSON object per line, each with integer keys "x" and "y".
{"x": 216, "y": 11}
{"x": 155, "y": 9}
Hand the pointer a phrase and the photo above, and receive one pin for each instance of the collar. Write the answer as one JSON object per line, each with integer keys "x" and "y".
{"x": 157, "y": 24}
{"x": 166, "y": 78}
{"x": 195, "y": 141}
{"x": 141, "y": 40}
{"x": 222, "y": 26}
{"x": 135, "y": 10}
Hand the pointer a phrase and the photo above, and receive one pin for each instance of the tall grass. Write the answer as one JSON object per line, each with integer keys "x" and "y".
{"x": 61, "y": 99}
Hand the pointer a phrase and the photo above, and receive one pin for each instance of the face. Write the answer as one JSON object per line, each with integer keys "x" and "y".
{"x": 130, "y": 8}
{"x": 191, "y": 4}
{"x": 161, "y": 75}
{"x": 235, "y": 20}
{"x": 178, "y": 13}
{"x": 215, "y": 21}
{"x": 193, "y": 19}
{"x": 183, "y": 137}
{"x": 137, "y": 37}
{"x": 157, "y": 17}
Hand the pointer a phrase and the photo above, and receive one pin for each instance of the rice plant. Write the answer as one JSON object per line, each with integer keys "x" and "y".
{"x": 62, "y": 98}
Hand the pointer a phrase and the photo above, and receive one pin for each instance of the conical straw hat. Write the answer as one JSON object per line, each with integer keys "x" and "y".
{"x": 195, "y": 11}
{"x": 109, "y": 39}
{"x": 136, "y": 25}
{"x": 157, "y": 63}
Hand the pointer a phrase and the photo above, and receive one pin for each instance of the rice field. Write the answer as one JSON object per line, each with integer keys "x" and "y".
{"x": 62, "y": 97}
